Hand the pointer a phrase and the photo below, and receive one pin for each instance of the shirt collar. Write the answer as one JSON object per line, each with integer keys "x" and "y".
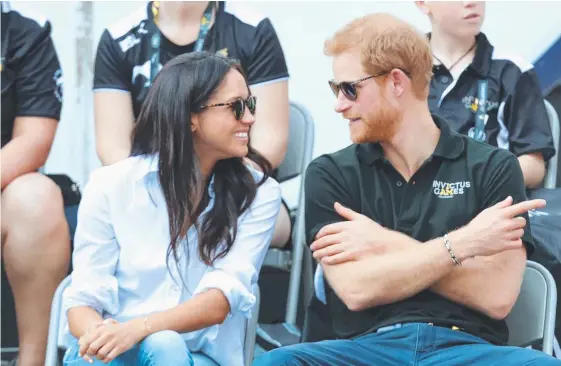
{"x": 450, "y": 145}
{"x": 146, "y": 164}
{"x": 149, "y": 164}
{"x": 483, "y": 53}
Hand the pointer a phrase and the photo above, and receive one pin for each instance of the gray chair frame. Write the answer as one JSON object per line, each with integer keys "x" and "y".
{"x": 550, "y": 180}
{"x": 51, "y": 358}
{"x": 532, "y": 318}
{"x": 298, "y": 157}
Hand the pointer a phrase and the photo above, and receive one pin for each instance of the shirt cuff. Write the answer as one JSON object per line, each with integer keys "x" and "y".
{"x": 100, "y": 295}
{"x": 240, "y": 298}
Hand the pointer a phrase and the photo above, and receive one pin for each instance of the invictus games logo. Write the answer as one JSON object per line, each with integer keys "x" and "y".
{"x": 449, "y": 190}
{"x": 472, "y": 103}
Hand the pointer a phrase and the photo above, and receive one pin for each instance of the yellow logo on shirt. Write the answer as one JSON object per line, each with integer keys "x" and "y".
{"x": 222, "y": 52}
{"x": 449, "y": 190}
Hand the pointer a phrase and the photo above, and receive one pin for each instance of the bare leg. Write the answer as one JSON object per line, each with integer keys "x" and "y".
{"x": 282, "y": 229}
{"x": 36, "y": 252}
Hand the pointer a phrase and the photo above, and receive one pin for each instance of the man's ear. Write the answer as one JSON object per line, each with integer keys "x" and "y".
{"x": 423, "y": 7}
{"x": 397, "y": 79}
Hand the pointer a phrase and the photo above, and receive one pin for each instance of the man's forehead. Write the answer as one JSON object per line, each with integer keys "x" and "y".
{"x": 347, "y": 66}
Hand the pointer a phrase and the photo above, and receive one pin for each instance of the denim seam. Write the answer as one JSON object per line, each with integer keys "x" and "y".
{"x": 148, "y": 356}
{"x": 415, "y": 361}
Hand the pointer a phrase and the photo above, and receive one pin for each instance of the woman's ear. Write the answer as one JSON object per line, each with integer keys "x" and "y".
{"x": 194, "y": 122}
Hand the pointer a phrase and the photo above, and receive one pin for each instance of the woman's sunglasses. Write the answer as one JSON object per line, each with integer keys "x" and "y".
{"x": 348, "y": 88}
{"x": 237, "y": 106}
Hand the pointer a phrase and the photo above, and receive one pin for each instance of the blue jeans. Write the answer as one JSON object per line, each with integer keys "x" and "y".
{"x": 414, "y": 344}
{"x": 162, "y": 348}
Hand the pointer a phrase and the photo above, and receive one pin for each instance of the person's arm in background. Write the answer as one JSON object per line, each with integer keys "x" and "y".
{"x": 533, "y": 169}
{"x": 38, "y": 92}
{"x": 113, "y": 106}
{"x": 525, "y": 117}
{"x": 268, "y": 80}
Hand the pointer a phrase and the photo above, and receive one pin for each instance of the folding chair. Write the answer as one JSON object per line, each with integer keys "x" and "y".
{"x": 550, "y": 180}
{"x": 298, "y": 156}
{"x": 532, "y": 319}
{"x": 52, "y": 359}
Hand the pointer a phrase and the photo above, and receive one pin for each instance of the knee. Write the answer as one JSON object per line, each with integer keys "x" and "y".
{"x": 276, "y": 357}
{"x": 166, "y": 348}
{"x": 543, "y": 360}
{"x": 166, "y": 339}
{"x": 33, "y": 199}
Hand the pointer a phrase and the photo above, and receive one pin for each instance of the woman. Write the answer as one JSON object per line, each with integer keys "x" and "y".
{"x": 131, "y": 52}
{"x": 171, "y": 239}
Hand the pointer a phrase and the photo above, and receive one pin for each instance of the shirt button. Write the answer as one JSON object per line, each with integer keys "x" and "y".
{"x": 399, "y": 183}
{"x": 445, "y": 80}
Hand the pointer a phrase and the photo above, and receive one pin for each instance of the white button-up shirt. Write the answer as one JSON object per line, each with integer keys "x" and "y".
{"x": 120, "y": 252}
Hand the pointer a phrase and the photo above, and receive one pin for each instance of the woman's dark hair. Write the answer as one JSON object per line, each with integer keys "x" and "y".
{"x": 163, "y": 127}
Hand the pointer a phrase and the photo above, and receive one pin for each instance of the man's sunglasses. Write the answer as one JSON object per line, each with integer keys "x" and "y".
{"x": 237, "y": 106}
{"x": 348, "y": 88}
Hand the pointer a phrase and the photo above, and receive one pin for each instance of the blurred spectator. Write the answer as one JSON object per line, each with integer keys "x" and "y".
{"x": 131, "y": 52}
{"x": 35, "y": 237}
{"x": 168, "y": 245}
{"x": 415, "y": 227}
{"x": 488, "y": 94}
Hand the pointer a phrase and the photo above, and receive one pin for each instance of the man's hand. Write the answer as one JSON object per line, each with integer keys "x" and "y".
{"x": 111, "y": 339}
{"x": 349, "y": 240}
{"x": 497, "y": 228}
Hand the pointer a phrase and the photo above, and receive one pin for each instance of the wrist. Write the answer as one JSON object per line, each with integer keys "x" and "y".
{"x": 142, "y": 327}
{"x": 462, "y": 244}
{"x": 91, "y": 328}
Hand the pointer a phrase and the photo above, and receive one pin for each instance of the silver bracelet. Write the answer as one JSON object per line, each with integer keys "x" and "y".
{"x": 147, "y": 325}
{"x": 447, "y": 245}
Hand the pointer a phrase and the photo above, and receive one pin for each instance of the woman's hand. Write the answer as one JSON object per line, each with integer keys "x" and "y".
{"x": 111, "y": 339}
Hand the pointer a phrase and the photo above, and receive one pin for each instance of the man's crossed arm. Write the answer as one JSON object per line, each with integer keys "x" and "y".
{"x": 368, "y": 265}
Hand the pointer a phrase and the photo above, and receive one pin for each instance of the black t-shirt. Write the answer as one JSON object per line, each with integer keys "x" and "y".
{"x": 459, "y": 180}
{"x": 517, "y": 120}
{"x": 124, "y": 51}
{"x": 31, "y": 73}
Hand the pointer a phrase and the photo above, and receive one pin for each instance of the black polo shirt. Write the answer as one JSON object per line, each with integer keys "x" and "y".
{"x": 517, "y": 120}
{"x": 459, "y": 180}
{"x": 123, "y": 55}
{"x": 31, "y": 75}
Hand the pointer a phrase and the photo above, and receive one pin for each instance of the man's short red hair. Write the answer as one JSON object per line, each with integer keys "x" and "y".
{"x": 385, "y": 43}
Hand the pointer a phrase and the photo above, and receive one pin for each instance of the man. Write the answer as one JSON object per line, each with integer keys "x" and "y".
{"x": 35, "y": 236}
{"x": 468, "y": 69}
{"x": 420, "y": 231}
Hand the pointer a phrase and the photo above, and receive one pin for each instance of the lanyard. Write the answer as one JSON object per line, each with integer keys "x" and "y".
{"x": 481, "y": 116}
{"x": 156, "y": 37}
